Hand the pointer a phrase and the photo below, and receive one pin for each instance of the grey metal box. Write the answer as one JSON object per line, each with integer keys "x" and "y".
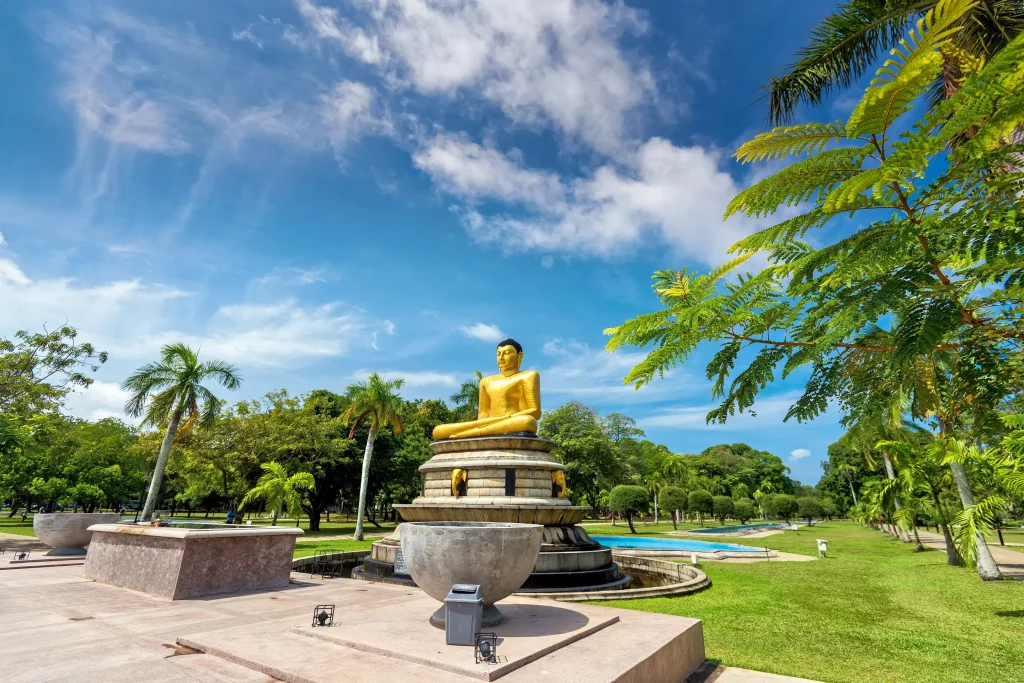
{"x": 463, "y": 610}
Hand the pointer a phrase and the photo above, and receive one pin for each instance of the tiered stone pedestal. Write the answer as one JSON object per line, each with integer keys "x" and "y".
{"x": 569, "y": 560}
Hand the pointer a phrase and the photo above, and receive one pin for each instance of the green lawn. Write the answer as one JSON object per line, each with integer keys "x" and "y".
{"x": 872, "y": 611}
{"x": 303, "y": 549}
{"x": 14, "y": 525}
{"x": 1015, "y": 535}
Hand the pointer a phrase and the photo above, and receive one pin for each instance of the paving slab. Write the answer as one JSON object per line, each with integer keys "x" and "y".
{"x": 57, "y": 626}
{"x": 528, "y": 632}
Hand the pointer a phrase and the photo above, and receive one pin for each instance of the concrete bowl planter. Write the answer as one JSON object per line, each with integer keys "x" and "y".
{"x": 68, "y": 532}
{"x": 496, "y": 556}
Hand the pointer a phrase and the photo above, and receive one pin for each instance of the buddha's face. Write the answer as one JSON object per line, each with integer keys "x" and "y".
{"x": 509, "y": 359}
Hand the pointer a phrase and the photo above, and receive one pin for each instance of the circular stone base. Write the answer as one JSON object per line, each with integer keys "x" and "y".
{"x": 491, "y": 617}
{"x": 67, "y": 551}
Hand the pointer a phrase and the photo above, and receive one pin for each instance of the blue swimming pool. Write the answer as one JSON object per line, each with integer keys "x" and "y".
{"x": 645, "y": 543}
{"x": 737, "y": 527}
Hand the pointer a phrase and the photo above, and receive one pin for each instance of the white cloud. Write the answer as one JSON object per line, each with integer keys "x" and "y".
{"x": 483, "y": 332}
{"x": 413, "y": 378}
{"x": 577, "y": 372}
{"x": 767, "y": 412}
{"x": 799, "y": 453}
{"x": 283, "y": 334}
{"x": 132, "y": 320}
{"x": 676, "y": 195}
{"x": 295, "y": 276}
{"x": 469, "y": 170}
{"x": 347, "y": 113}
{"x": 99, "y": 400}
{"x": 247, "y": 34}
{"x": 541, "y": 61}
{"x": 104, "y": 94}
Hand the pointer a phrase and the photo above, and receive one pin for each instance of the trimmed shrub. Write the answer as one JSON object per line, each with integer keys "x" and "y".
{"x": 782, "y": 505}
{"x": 700, "y": 502}
{"x": 810, "y": 508}
{"x": 722, "y": 506}
{"x": 671, "y": 499}
{"x": 743, "y": 510}
{"x": 629, "y": 500}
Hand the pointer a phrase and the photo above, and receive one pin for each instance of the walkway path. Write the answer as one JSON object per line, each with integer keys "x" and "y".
{"x": 1011, "y": 562}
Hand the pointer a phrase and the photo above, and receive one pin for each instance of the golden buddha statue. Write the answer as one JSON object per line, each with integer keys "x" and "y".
{"x": 509, "y": 402}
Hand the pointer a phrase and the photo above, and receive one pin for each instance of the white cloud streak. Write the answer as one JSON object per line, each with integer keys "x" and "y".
{"x": 132, "y": 320}
{"x": 483, "y": 332}
{"x": 554, "y": 62}
{"x": 799, "y": 454}
{"x": 675, "y": 195}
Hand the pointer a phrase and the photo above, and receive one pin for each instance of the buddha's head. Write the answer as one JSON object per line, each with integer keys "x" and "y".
{"x": 510, "y": 356}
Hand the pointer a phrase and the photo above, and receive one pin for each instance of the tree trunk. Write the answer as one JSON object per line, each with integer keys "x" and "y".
{"x": 891, "y": 473}
{"x": 273, "y": 522}
{"x": 629, "y": 520}
{"x": 364, "y": 481}
{"x": 999, "y": 531}
{"x": 853, "y": 492}
{"x": 917, "y": 539}
{"x": 952, "y": 557}
{"x": 161, "y": 464}
{"x": 675, "y": 520}
{"x": 988, "y": 570}
{"x": 655, "y": 507}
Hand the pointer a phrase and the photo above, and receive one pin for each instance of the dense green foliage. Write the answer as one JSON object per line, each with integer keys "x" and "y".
{"x": 858, "y": 32}
{"x": 744, "y": 510}
{"x": 39, "y": 370}
{"x": 809, "y": 508}
{"x": 894, "y": 284}
{"x": 700, "y": 503}
{"x": 722, "y": 507}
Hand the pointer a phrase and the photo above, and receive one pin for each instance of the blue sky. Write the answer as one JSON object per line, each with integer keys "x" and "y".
{"x": 314, "y": 191}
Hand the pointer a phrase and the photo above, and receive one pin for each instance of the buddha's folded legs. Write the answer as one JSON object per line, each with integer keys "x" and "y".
{"x": 508, "y": 425}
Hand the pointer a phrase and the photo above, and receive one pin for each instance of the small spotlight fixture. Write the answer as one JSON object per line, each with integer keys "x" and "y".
{"x": 486, "y": 651}
{"x": 323, "y": 615}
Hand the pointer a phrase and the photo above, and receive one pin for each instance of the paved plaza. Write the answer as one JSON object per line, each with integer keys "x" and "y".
{"x": 58, "y": 626}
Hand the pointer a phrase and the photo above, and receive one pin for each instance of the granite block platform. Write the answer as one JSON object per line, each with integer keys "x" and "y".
{"x": 191, "y": 563}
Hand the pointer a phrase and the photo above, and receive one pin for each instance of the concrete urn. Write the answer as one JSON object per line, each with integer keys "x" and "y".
{"x": 68, "y": 532}
{"x": 494, "y": 555}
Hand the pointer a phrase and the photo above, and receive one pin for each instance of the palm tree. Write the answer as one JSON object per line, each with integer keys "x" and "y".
{"x": 467, "y": 398}
{"x": 171, "y": 389}
{"x": 847, "y": 470}
{"x": 675, "y": 467}
{"x": 654, "y": 484}
{"x": 280, "y": 492}
{"x": 377, "y": 401}
{"x": 850, "y": 41}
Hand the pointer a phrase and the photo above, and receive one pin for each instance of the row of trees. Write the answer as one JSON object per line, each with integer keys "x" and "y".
{"x": 908, "y": 315}
{"x": 601, "y": 452}
{"x": 303, "y": 454}
{"x": 630, "y": 499}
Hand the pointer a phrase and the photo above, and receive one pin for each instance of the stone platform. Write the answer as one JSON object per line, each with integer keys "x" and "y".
{"x": 382, "y": 634}
{"x": 190, "y": 563}
{"x": 56, "y": 625}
